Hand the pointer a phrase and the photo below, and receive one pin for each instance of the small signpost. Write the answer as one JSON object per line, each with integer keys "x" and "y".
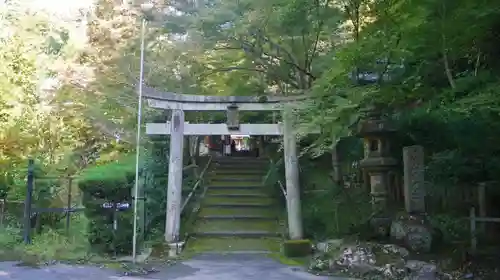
{"x": 232, "y": 117}
{"x": 2, "y": 211}
{"x": 115, "y": 207}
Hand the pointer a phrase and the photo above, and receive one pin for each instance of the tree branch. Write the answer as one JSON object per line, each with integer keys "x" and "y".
{"x": 246, "y": 45}
{"x": 232, "y": 68}
{"x": 237, "y": 68}
{"x": 310, "y": 55}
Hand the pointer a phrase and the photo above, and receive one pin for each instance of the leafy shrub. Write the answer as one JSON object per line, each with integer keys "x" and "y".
{"x": 452, "y": 228}
{"x": 57, "y": 245}
{"x": 328, "y": 210}
{"x": 109, "y": 183}
{"x": 10, "y": 237}
{"x": 50, "y": 245}
{"x": 46, "y": 195}
{"x": 155, "y": 188}
{"x": 6, "y": 182}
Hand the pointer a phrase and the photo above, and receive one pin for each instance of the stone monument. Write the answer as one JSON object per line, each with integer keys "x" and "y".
{"x": 412, "y": 228}
{"x": 414, "y": 184}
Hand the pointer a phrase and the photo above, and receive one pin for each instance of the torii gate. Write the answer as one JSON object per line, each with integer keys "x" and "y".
{"x": 177, "y": 128}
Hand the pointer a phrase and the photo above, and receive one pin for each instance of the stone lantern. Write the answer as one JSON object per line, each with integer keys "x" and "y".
{"x": 232, "y": 117}
{"x": 377, "y": 163}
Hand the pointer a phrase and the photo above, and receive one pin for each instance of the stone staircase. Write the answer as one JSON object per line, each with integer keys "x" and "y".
{"x": 236, "y": 214}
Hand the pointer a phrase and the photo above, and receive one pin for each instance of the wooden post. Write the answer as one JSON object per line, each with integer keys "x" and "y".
{"x": 141, "y": 206}
{"x": 473, "y": 238}
{"x": 336, "y": 163}
{"x": 292, "y": 177}
{"x": 2, "y": 211}
{"x": 68, "y": 204}
{"x": 262, "y": 150}
{"x": 27, "y": 202}
{"x": 174, "y": 193}
{"x": 481, "y": 197}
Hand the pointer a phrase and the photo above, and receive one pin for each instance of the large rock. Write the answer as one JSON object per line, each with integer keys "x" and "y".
{"x": 355, "y": 259}
{"x": 358, "y": 259}
{"x": 419, "y": 270}
{"x": 413, "y": 232}
{"x": 329, "y": 245}
{"x": 369, "y": 260}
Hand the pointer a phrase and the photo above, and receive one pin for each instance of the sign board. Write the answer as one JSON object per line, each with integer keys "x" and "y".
{"x": 118, "y": 206}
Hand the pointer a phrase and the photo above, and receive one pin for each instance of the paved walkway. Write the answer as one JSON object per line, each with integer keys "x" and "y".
{"x": 206, "y": 267}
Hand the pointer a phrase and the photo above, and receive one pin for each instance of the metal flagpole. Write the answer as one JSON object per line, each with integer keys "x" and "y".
{"x": 139, "y": 116}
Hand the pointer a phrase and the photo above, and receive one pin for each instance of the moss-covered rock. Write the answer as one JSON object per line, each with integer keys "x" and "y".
{"x": 297, "y": 248}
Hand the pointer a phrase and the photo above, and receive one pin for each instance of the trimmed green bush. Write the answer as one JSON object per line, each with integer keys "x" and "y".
{"x": 297, "y": 248}
{"x": 109, "y": 183}
{"x": 155, "y": 188}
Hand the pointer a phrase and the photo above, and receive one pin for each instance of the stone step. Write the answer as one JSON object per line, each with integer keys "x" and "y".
{"x": 262, "y": 211}
{"x": 237, "y": 214}
{"x": 235, "y": 166}
{"x": 233, "y": 178}
{"x": 252, "y": 166}
{"x": 237, "y": 205}
{"x": 237, "y": 199}
{"x": 241, "y": 163}
{"x": 222, "y": 173}
{"x": 238, "y": 195}
{"x": 236, "y": 225}
{"x": 236, "y": 191}
{"x": 240, "y": 159}
{"x": 232, "y": 172}
{"x": 237, "y": 217}
{"x": 257, "y": 180}
{"x": 240, "y": 234}
{"x": 233, "y": 186}
{"x": 217, "y": 183}
{"x": 238, "y": 171}
{"x": 232, "y": 244}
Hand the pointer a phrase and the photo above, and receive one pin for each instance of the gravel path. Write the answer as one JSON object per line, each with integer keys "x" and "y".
{"x": 204, "y": 267}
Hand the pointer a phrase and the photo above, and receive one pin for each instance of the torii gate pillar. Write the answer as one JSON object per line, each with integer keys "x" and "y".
{"x": 175, "y": 165}
{"x": 293, "y": 204}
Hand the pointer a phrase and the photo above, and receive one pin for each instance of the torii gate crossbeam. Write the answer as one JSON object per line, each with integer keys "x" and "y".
{"x": 215, "y": 129}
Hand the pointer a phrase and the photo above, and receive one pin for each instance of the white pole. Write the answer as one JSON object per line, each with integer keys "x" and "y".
{"x": 137, "y": 147}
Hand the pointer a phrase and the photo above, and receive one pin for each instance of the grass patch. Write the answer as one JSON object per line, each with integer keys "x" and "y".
{"x": 228, "y": 244}
{"x": 51, "y": 245}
